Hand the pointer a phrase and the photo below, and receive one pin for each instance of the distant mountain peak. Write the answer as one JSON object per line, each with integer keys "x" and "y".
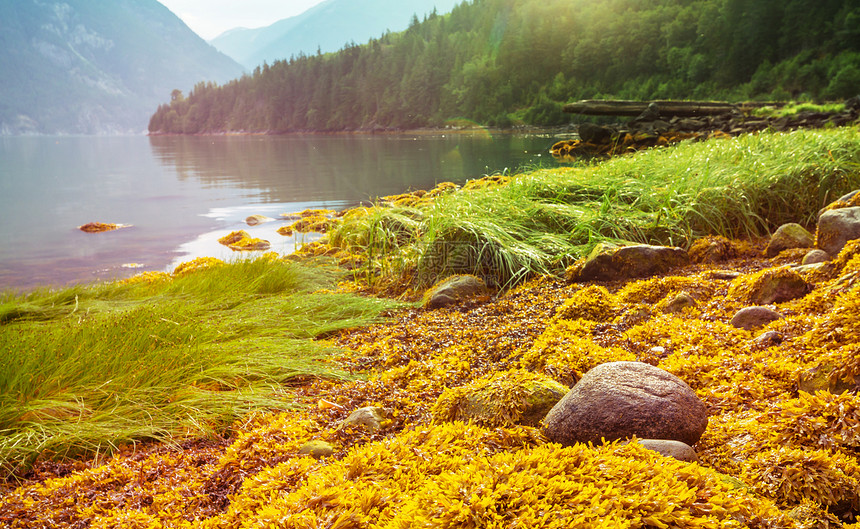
{"x": 327, "y": 27}
{"x": 85, "y": 67}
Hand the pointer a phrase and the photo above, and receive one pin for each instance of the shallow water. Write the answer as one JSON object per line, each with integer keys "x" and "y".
{"x": 180, "y": 194}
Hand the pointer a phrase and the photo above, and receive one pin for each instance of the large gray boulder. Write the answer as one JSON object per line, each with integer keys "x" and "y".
{"x": 836, "y": 227}
{"x": 618, "y": 400}
{"x": 629, "y": 261}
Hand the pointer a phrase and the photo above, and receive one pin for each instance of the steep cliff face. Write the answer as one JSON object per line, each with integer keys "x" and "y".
{"x": 96, "y": 66}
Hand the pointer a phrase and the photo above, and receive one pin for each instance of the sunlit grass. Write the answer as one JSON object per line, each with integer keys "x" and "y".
{"x": 86, "y": 369}
{"x": 542, "y": 220}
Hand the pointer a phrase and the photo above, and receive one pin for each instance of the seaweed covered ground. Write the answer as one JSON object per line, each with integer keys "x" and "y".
{"x": 781, "y": 449}
{"x": 771, "y": 456}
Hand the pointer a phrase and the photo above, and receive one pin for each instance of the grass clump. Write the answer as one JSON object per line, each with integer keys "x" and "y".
{"x": 541, "y": 221}
{"x": 86, "y": 369}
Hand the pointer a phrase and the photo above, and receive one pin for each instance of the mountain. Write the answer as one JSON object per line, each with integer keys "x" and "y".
{"x": 501, "y": 63}
{"x": 325, "y": 27}
{"x": 96, "y": 66}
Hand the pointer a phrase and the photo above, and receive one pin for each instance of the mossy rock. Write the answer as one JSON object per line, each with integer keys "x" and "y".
{"x": 453, "y": 290}
{"x": 773, "y": 285}
{"x": 504, "y": 398}
{"x": 789, "y": 236}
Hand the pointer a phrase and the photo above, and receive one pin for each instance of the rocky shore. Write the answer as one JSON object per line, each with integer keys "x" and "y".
{"x": 656, "y": 127}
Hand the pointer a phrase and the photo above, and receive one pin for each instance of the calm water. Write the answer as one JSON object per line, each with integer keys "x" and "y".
{"x": 180, "y": 194}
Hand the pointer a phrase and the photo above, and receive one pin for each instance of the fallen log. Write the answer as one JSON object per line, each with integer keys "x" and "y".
{"x": 667, "y": 108}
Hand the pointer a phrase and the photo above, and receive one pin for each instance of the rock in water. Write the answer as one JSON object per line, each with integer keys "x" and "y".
{"x": 618, "y": 400}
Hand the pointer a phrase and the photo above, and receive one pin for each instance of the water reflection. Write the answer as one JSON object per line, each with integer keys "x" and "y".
{"x": 182, "y": 193}
{"x": 348, "y": 168}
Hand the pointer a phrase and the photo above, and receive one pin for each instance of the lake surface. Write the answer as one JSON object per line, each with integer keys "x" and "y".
{"x": 180, "y": 194}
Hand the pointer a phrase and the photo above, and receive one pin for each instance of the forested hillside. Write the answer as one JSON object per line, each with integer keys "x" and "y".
{"x": 504, "y": 62}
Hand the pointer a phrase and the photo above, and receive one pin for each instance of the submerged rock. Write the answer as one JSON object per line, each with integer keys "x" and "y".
{"x": 253, "y": 220}
{"x": 99, "y": 227}
{"x": 618, "y": 400}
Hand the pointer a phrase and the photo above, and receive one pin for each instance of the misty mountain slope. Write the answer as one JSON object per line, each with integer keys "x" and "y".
{"x": 96, "y": 66}
{"x": 327, "y": 26}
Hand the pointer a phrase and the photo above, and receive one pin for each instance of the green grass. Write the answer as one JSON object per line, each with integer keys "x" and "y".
{"x": 86, "y": 369}
{"x": 543, "y": 220}
{"x": 794, "y": 108}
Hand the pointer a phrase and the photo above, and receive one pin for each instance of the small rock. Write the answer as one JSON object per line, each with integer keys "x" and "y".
{"x": 371, "y": 417}
{"x": 253, "y": 220}
{"x": 317, "y": 449}
{"x": 677, "y": 449}
{"x": 768, "y": 339}
{"x": 453, "y": 290}
{"x": 618, "y": 400}
{"x": 789, "y": 236}
{"x": 836, "y": 227}
{"x": 815, "y": 256}
{"x": 751, "y": 318}
{"x": 628, "y": 261}
{"x": 680, "y": 302}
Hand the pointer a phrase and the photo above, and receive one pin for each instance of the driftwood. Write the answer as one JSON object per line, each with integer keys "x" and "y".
{"x": 600, "y": 107}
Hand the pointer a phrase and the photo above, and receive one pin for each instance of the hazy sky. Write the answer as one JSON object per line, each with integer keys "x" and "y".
{"x": 210, "y": 18}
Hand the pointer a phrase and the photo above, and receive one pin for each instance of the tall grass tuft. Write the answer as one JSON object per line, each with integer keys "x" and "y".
{"x": 739, "y": 188}
{"x": 86, "y": 369}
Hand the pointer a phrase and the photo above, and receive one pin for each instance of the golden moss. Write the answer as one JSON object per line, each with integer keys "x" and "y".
{"x": 593, "y": 302}
{"x": 566, "y": 351}
{"x": 791, "y": 476}
{"x": 199, "y": 263}
{"x": 148, "y": 278}
{"x": 554, "y": 487}
{"x": 823, "y": 420}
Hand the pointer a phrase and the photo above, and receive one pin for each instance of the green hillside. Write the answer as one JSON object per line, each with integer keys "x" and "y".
{"x": 96, "y": 66}
{"x": 502, "y": 62}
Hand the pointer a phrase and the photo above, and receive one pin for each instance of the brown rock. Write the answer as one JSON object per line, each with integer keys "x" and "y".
{"x": 750, "y": 318}
{"x": 677, "y": 449}
{"x": 618, "y": 400}
{"x": 629, "y": 261}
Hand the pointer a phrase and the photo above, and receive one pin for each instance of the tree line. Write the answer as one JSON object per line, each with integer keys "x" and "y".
{"x": 501, "y": 63}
